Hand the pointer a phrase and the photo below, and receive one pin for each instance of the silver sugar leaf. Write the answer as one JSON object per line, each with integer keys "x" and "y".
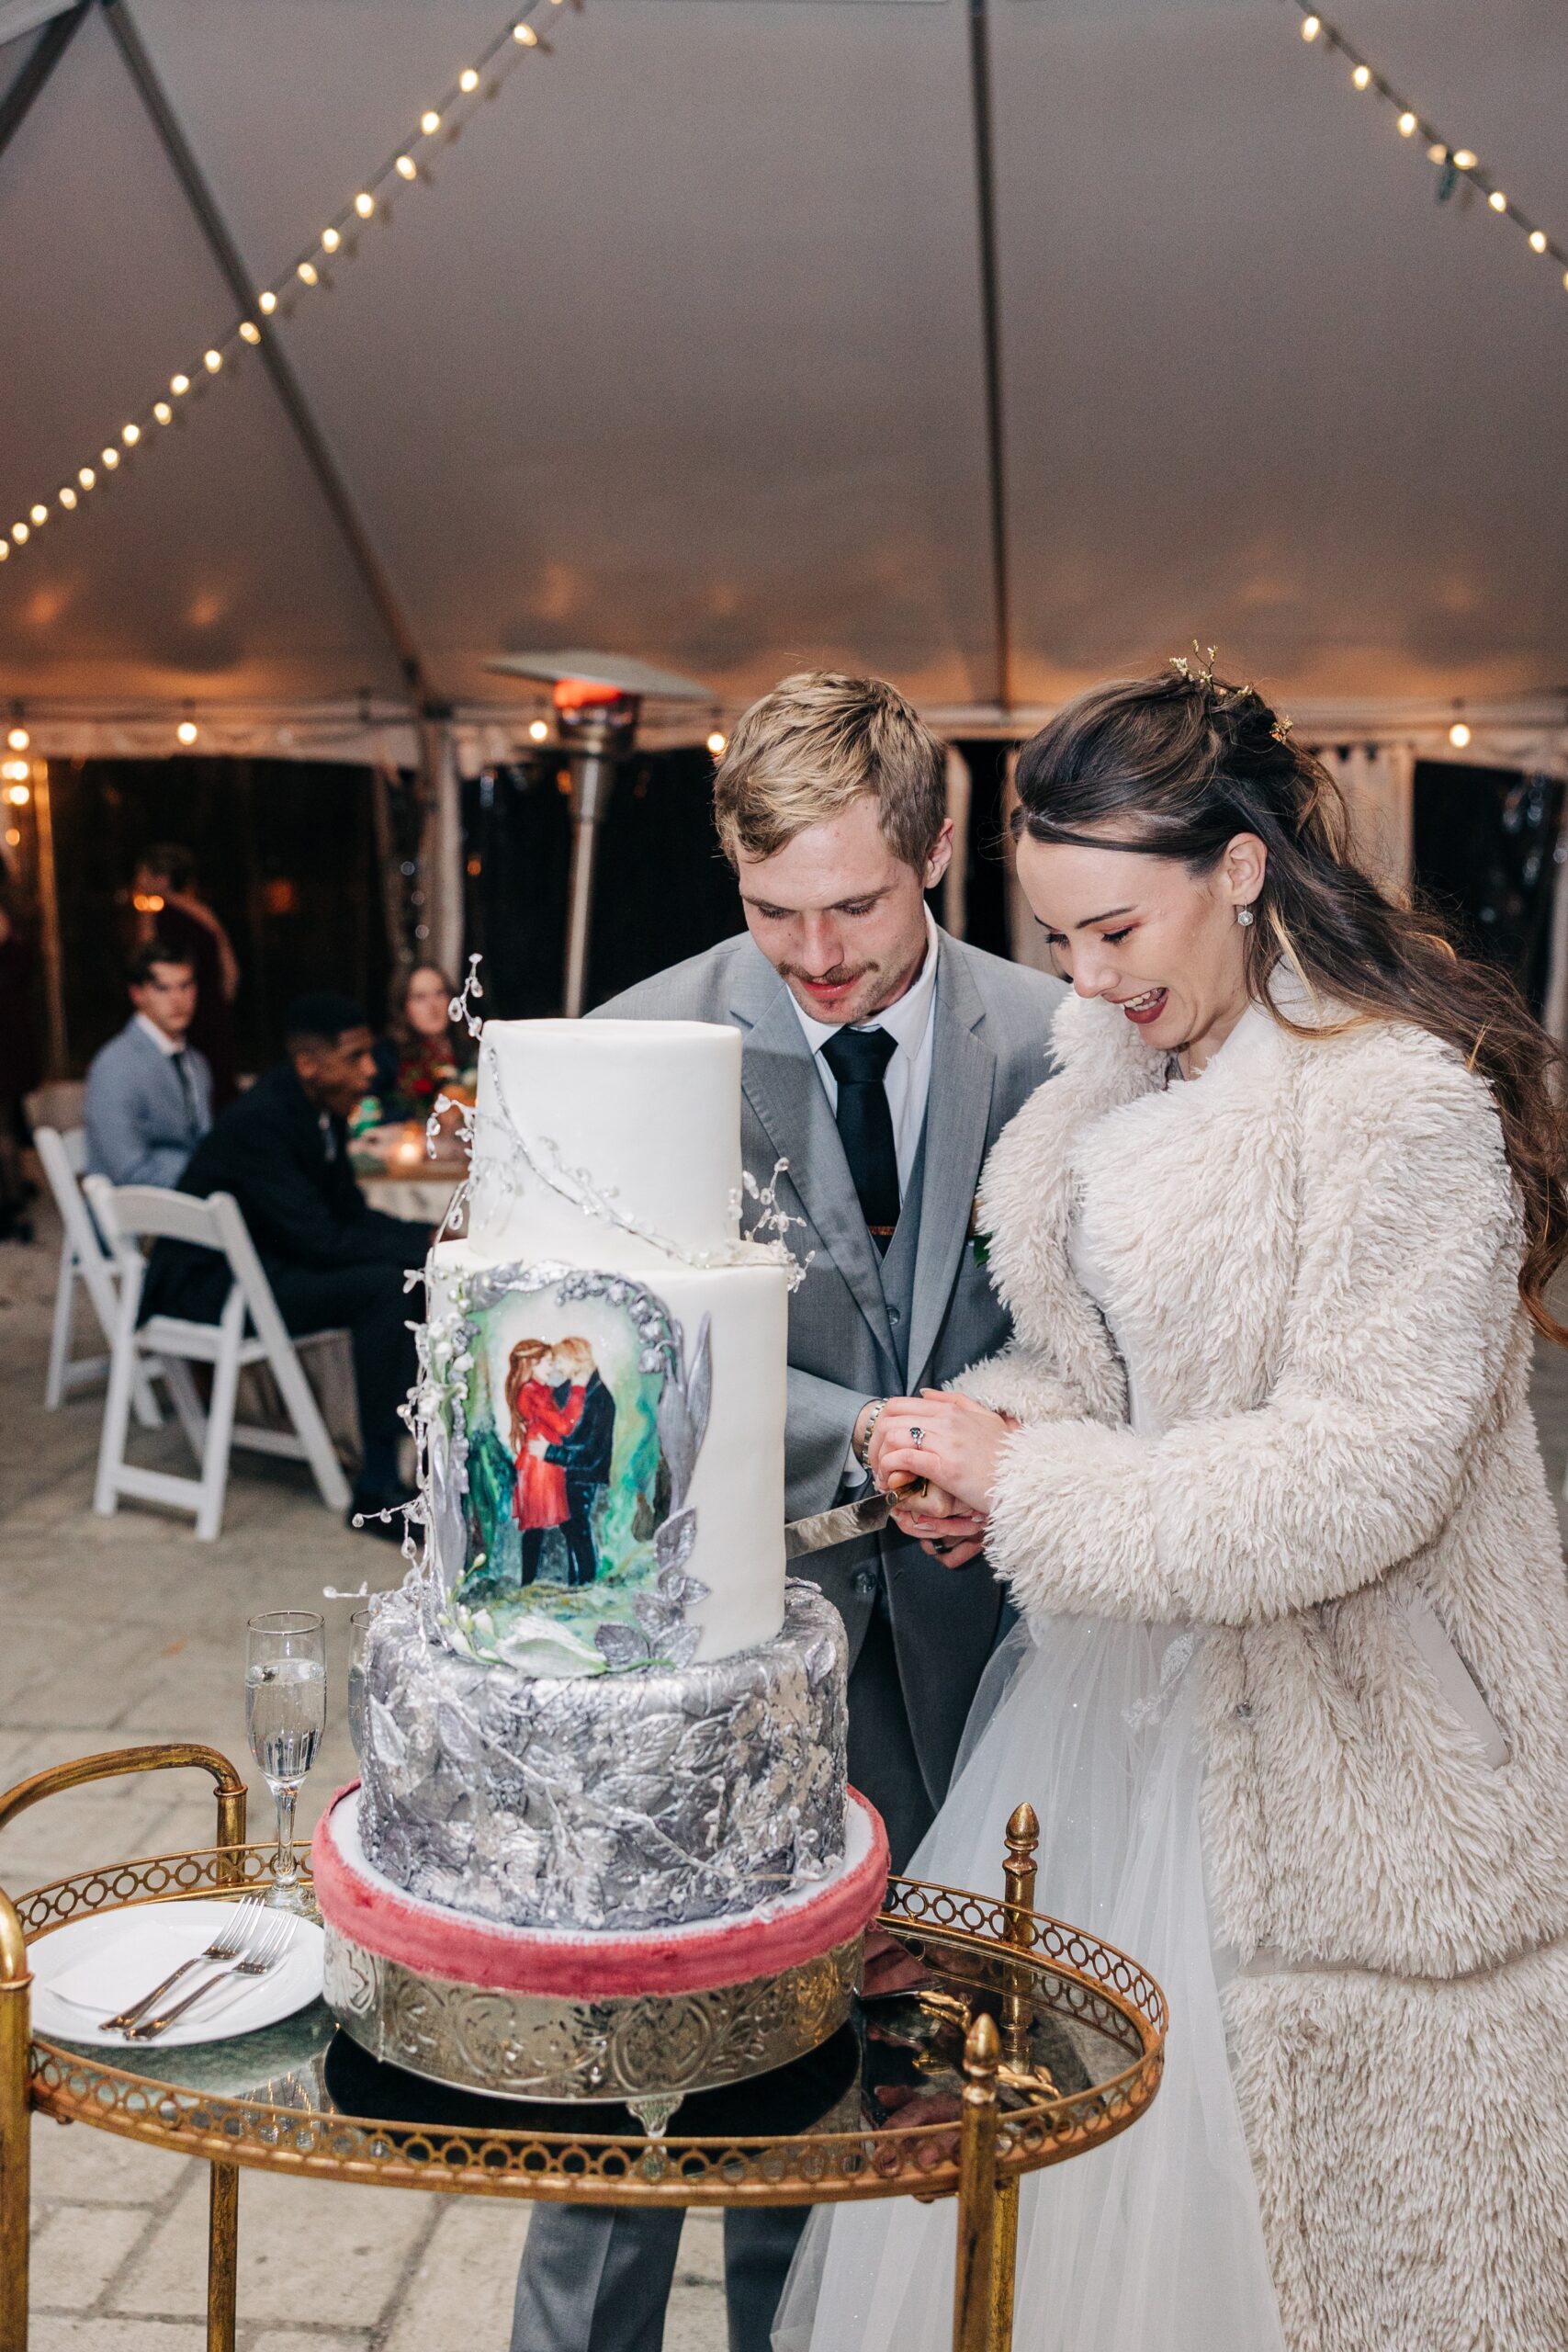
{"x": 672, "y": 1544}
{"x": 622, "y": 1646}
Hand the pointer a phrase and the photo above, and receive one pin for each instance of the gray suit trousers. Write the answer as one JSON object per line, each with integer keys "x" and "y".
{"x": 594, "y": 2281}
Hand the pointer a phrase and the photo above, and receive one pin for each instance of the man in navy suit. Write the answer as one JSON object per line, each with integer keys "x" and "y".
{"x": 149, "y": 1092}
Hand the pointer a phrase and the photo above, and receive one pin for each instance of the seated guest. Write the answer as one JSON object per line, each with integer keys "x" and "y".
{"x": 424, "y": 1051}
{"x": 170, "y": 906}
{"x": 149, "y": 1092}
{"x": 282, "y": 1150}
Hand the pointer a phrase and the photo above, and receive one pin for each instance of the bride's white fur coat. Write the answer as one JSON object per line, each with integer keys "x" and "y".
{"x": 1312, "y": 1255}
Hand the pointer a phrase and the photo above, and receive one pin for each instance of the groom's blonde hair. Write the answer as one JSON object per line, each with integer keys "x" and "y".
{"x": 814, "y": 745}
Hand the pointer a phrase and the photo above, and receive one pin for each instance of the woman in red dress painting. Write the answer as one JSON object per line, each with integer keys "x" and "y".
{"x": 540, "y": 1411}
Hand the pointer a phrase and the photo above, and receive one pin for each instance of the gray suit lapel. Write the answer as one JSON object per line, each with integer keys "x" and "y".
{"x": 779, "y": 1077}
{"x": 958, "y": 1111}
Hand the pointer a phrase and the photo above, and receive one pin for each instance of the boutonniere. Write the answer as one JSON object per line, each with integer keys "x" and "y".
{"x": 979, "y": 1239}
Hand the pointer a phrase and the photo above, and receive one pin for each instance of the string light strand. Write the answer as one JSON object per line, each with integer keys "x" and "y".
{"x": 308, "y": 268}
{"x": 1455, "y": 165}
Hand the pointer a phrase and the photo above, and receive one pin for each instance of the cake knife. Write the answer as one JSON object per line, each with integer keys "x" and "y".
{"x": 825, "y": 1528}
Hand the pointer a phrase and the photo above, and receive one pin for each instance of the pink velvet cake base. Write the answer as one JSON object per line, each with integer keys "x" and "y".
{"x": 367, "y": 1909}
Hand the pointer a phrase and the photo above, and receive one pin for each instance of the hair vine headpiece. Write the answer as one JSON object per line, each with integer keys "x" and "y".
{"x": 1201, "y": 675}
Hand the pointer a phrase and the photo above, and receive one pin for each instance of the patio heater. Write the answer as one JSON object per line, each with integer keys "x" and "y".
{"x": 597, "y": 698}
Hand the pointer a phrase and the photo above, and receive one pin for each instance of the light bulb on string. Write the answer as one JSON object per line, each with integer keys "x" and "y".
{"x": 186, "y": 730}
{"x": 109, "y": 459}
{"x": 430, "y": 122}
{"x": 249, "y": 331}
{"x": 1538, "y": 240}
{"x": 1464, "y": 159}
{"x": 1406, "y": 124}
{"x": 308, "y": 273}
{"x": 525, "y": 35}
{"x": 67, "y": 497}
{"x": 1361, "y": 76}
{"x": 38, "y": 515}
{"x": 406, "y": 168}
{"x": 468, "y": 80}
{"x": 537, "y": 732}
{"x": 266, "y": 303}
{"x": 1310, "y": 28}
{"x": 331, "y": 241}
{"x": 1436, "y": 152}
{"x": 130, "y": 435}
{"x": 180, "y": 385}
{"x": 20, "y": 533}
{"x": 365, "y": 204}
{"x": 5, "y": 550}
{"x": 86, "y": 477}
{"x": 164, "y": 414}
{"x": 1458, "y": 735}
{"x": 19, "y": 739}
{"x": 1497, "y": 200}
{"x": 718, "y": 744}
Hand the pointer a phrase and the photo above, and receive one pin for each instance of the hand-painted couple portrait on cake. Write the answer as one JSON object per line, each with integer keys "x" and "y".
{"x": 563, "y": 1438}
{"x": 581, "y": 1414}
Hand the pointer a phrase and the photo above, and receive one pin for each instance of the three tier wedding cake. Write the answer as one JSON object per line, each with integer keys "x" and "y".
{"x": 596, "y": 1717}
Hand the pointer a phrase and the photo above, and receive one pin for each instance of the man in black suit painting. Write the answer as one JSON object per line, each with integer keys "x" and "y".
{"x": 332, "y": 1260}
{"x": 585, "y": 1455}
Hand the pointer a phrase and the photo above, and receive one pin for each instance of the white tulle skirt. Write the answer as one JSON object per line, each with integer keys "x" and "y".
{"x": 1153, "y": 2243}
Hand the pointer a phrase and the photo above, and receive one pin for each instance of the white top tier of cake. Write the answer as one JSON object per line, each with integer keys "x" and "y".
{"x": 646, "y": 1113}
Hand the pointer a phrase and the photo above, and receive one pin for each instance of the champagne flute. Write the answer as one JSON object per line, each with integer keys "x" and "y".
{"x": 285, "y": 1714}
{"x": 358, "y": 1627}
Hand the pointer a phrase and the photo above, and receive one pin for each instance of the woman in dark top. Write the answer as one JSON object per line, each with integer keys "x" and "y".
{"x": 425, "y": 1052}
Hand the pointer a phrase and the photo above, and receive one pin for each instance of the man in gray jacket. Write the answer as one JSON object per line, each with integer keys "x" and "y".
{"x": 149, "y": 1093}
{"x": 881, "y": 1059}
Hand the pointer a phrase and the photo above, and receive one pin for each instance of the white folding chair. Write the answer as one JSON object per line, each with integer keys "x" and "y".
{"x": 84, "y": 1259}
{"x": 130, "y": 1214}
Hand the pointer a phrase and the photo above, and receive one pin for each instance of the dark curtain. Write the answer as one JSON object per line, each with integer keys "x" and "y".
{"x": 1484, "y": 851}
{"x": 987, "y": 892}
{"x": 662, "y": 890}
{"x": 285, "y": 852}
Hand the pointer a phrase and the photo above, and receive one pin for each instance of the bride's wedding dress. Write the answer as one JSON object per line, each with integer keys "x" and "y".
{"x": 1154, "y": 2243}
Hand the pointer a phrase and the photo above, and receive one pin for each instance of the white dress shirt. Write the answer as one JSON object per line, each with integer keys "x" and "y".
{"x": 908, "y": 1077}
{"x": 165, "y": 1044}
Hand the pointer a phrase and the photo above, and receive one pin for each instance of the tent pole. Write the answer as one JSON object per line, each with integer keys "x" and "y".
{"x": 286, "y": 384}
{"x": 47, "y": 51}
{"x": 441, "y": 847}
{"x": 59, "y": 1058}
{"x": 991, "y": 335}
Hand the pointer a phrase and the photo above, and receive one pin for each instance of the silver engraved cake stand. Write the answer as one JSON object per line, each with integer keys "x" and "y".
{"x": 989, "y": 2042}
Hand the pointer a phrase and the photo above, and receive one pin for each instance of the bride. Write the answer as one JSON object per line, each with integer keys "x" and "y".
{"x": 1291, "y": 1690}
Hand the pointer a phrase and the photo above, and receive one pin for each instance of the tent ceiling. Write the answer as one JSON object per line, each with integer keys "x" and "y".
{"x": 684, "y": 352}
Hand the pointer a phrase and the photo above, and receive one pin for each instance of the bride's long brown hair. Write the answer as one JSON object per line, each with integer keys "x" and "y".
{"x": 1179, "y": 765}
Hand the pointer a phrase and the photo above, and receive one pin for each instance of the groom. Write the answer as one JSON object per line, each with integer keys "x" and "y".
{"x": 881, "y": 1058}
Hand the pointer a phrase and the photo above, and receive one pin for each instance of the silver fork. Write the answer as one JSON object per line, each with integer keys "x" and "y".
{"x": 266, "y": 1948}
{"x": 229, "y": 1943}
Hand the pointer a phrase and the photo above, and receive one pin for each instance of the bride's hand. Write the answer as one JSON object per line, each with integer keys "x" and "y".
{"x": 946, "y": 1438}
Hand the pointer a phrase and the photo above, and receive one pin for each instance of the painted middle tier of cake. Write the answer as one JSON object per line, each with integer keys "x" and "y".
{"x": 617, "y": 1802}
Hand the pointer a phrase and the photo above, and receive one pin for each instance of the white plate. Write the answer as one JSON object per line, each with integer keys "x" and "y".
{"x": 131, "y": 1951}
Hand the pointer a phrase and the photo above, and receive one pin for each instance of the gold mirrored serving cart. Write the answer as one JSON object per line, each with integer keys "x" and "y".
{"x": 1006, "y": 2043}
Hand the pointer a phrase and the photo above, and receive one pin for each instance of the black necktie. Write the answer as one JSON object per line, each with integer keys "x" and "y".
{"x": 187, "y": 1088}
{"x": 858, "y": 1059}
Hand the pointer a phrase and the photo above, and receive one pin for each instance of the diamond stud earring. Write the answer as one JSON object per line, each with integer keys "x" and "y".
{"x": 1243, "y": 917}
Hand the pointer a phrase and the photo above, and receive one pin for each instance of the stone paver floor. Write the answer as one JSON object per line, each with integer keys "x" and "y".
{"x": 118, "y": 1631}
{"x": 114, "y": 1631}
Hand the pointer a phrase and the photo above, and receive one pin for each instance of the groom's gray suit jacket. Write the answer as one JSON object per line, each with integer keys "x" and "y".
{"x": 860, "y": 1326}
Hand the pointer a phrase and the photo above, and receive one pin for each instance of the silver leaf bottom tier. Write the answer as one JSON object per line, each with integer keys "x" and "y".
{"x": 622, "y": 1802}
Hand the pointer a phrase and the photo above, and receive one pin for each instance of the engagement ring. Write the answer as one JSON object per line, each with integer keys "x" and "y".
{"x": 916, "y": 1437}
